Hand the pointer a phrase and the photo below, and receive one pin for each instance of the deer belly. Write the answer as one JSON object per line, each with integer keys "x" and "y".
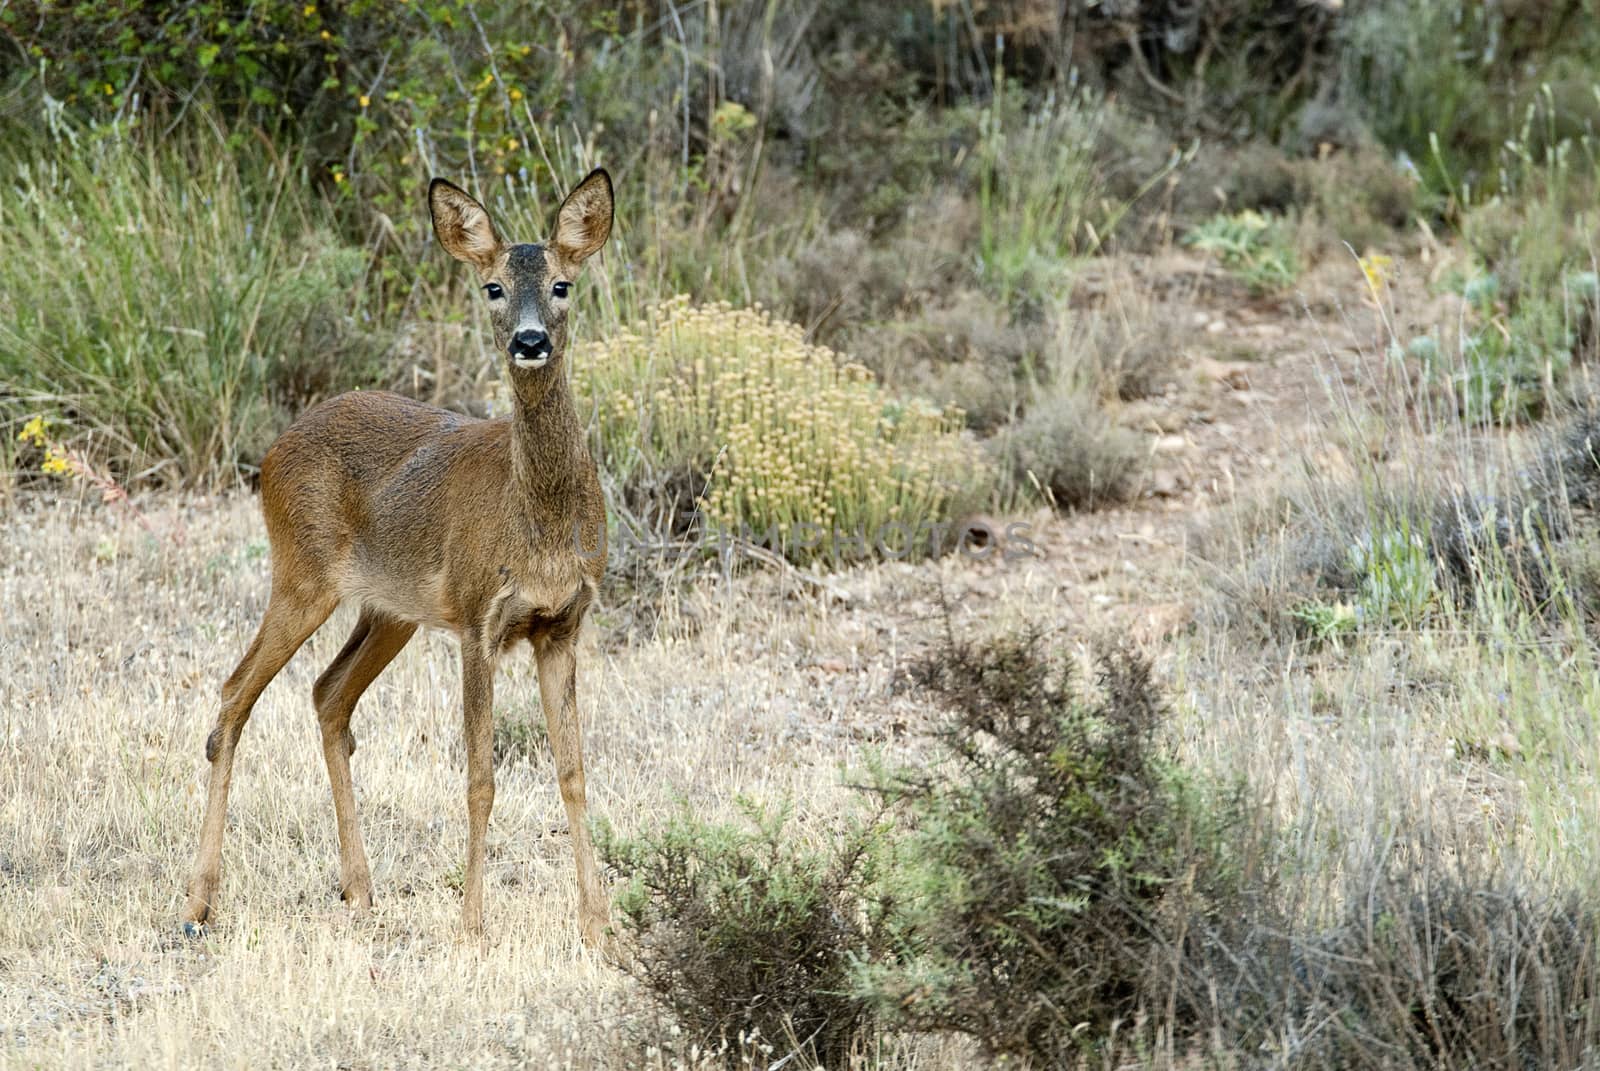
{"x": 409, "y": 598}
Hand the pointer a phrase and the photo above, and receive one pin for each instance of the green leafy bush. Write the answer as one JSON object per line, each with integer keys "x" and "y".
{"x": 1251, "y": 245}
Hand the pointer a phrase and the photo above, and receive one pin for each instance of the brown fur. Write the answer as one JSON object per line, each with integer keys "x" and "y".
{"x": 494, "y": 529}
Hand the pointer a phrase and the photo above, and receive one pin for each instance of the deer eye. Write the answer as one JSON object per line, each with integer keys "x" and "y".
{"x": 494, "y": 291}
{"x": 560, "y": 289}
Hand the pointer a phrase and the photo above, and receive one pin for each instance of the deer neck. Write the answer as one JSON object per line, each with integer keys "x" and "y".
{"x": 548, "y": 454}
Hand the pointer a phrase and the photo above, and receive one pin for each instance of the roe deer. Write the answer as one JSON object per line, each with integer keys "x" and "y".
{"x": 494, "y": 529}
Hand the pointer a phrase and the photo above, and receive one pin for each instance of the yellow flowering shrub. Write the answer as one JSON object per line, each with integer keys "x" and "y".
{"x": 787, "y": 438}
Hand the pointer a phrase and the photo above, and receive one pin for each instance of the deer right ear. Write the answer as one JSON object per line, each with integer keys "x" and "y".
{"x": 462, "y": 225}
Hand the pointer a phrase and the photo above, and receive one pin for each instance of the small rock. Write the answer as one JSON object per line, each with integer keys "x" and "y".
{"x": 1171, "y": 444}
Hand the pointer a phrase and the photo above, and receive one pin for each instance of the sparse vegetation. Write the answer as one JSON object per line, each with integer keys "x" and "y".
{"x": 1066, "y": 452}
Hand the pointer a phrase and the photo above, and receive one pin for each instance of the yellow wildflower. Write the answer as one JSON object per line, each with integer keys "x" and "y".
{"x": 33, "y": 432}
{"x": 1376, "y": 268}
{"x": 365, "y": 100}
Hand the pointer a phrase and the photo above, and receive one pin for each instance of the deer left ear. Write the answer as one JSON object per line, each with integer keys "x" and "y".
{"x": 584, "y": 222}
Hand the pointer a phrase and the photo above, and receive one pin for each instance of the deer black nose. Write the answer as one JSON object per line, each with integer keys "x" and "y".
{"x": 530, "y": 344}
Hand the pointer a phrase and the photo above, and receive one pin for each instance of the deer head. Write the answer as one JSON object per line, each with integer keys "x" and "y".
{"x": 529, "y": 287}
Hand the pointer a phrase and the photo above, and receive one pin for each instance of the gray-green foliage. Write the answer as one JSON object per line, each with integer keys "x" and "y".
{"x": 1450, "y": 82}
{"x": 748, "y": 933}
{"x": 1065, "y": 450}
{"x": 1051, "y": 863}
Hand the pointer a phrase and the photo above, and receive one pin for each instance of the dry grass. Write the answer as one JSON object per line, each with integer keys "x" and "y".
{"x": 1465, "y": 741}
{"x": 115, "y": 644}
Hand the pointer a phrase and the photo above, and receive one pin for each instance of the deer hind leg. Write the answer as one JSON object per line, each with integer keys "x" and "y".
{"x": 372, "y": 645}
{"x": 291, "y": 617}
{"x": 558, "y": 693}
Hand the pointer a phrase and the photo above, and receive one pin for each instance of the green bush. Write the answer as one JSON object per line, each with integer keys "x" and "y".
{"x": 172, "y": 303}
{"x": 365, "y": 87}
{"x": 1451, "y": 82}
{"x": 1052, "y": 866}
{"x": 1251, "y": 245}
{"x": 749, "y": 936}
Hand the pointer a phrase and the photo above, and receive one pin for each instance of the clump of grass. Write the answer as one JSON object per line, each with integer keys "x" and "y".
{"x": 1066, "y": 450}
{"x": 777, "y": 439}
{"x": 1037, "y": 191}
{"x": 1253, "y": 246}
{"x": 520, "y": 737}
{"x": 1469, "y": 969}
{"x": 168, "y": 303}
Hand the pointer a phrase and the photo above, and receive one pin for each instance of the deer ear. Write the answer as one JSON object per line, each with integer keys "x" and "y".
{"x": 462, "y": 225}
{"x": 584, "y": 222}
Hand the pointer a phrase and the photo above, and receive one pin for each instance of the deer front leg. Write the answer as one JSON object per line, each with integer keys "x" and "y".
{"x": 477, "y": 702}
{"x": 558, "y": 692}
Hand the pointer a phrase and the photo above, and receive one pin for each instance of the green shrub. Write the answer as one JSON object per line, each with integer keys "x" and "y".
{"x": 520, "y": 737}
{"x": 773, "y": 437}
{"x": 1251, "y": 245}
{"x": 172, "y": 303}
{"x": 749, "y": 936}
{"x": 368, "y": 88}
{"x": 1450, "y": 83}
{"x": 1053, "y": 865}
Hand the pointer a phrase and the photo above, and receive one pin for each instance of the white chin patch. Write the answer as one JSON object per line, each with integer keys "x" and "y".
{"x": 531, "y": 362}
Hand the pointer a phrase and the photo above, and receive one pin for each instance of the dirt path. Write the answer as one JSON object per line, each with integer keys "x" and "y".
{"x": 1245, "y": 407}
